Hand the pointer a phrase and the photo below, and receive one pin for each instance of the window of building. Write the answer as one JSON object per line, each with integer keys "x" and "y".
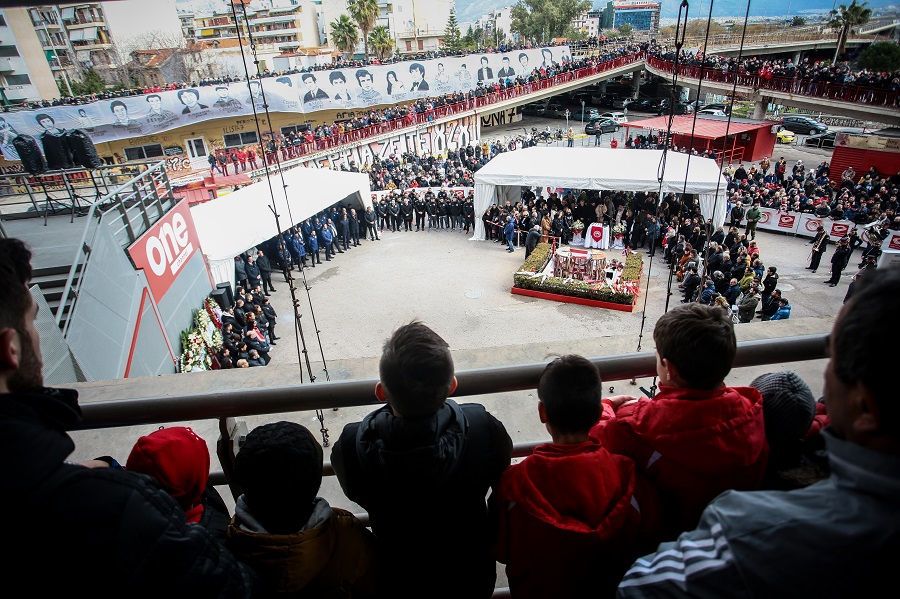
{"x": 6, "y": 51}
{"x": 234, "y": 140}
{"x": 301, "y": 128}
{"x": 18, "y": 80}
{"x": 421, "y": 44}
{"x": 144, "y": 152}
{"x": 2, "y": 21}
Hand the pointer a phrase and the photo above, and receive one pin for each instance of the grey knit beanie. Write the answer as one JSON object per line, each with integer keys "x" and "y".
{"x": 788, "y": 405}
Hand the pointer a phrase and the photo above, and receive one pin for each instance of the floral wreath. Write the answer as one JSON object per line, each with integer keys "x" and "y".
{"x": 619, "y": 229}
{"x": 578, "y": 225}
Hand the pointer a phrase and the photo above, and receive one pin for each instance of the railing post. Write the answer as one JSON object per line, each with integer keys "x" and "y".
{"x": 232, "y": 433}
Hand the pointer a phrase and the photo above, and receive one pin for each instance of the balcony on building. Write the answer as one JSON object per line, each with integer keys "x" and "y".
{"x": 6, "y": 65}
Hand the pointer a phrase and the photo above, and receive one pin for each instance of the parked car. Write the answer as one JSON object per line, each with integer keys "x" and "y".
{"x": 803, "y": 124}
{"x": 680, "y": 108}
{"x": 785, "y": 137}
{"x": 726, "y": 108}
{"x": 606, "y": 99}
{"x": 589, "y": 113}
{"x": 643, "y": 104}
{"x": 618, "y": 117}
{"x": 712, "y": 112}
{"x": 601, "y": 124}
{"x": 535, "y": 108}
{"x": 556, "y": 109}
{"x": 587, "y": 97}
{"x": 826, "y": 139}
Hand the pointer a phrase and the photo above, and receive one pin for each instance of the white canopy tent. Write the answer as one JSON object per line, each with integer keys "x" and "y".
{"x": 597, "y": 168}
{"x": 239, "y": 221}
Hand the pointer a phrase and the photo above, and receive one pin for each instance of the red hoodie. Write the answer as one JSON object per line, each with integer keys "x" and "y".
{"x": 692, "y": 445}
{"x": 571, "y": 520}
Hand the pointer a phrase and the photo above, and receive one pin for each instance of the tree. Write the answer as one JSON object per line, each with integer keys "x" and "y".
{"x": 544, "y": 20}
{"x": 880, "y": 56}
{"x": 625, "y": 29}
{"x": 91, "y": 83}
{"x": 452, "y": 37}
{"x": 381, "y": 41}
{"x": 344, "y": 34}
{"x": 844, "y": 19}
{"x": 364, "y": 12}
{"x": 798, "y": 21}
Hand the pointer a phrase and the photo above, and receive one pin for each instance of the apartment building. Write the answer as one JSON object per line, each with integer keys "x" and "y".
{"x": 281, "y": 28}
{"x": 25, "y": 73}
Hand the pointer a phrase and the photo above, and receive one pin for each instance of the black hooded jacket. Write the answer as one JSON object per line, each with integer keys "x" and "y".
{"x": 423, "y": 482}
{"x": 98, "y": 532}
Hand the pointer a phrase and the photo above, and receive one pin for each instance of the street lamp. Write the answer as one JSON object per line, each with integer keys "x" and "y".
{"x": 43, "y": 23}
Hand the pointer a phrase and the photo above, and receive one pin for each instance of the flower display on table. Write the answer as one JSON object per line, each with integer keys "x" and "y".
{"x": 618, "y": 229}
{"x": 578, "y": 226}
{"x": 201, "y": 342}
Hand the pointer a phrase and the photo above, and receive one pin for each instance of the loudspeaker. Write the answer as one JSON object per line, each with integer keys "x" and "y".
{"x": 221, "y": 298}
{"x": 82, "y": 149}
{"x": 228, "y": 290}
{"x": 30, "y": 154}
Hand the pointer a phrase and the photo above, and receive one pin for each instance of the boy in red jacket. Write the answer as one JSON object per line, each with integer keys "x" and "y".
{"x": 572, "y": 517}
{"x": 696, "y": 438}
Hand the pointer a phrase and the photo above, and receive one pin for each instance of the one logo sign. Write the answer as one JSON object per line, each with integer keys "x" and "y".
{"x": 597, "y": 233}
{"x": 766, "y": 216}
{"x": 895, "y": 242}
{"x": 839, "y": 229}
{"x": 786, "y": 221}
{"x": 813, "y": 224}
{"x": 165, "y": 248}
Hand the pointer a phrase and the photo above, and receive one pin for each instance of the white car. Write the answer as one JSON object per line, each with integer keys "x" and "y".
{"x": 618, "y": 117}
{"x": 713, "y": 112}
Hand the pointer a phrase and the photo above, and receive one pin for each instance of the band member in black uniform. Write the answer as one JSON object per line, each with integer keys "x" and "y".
{"x": 394, "y": 213}
{"x": 455, "y": 212}
{"x": 431, "y": 208}
{"x": 469, "y": 213}
{"x": 406, "y": 208}
{"x": 819, "y": 244}
{"x": 442, "y": 211}
{"x": 420, "y": 207}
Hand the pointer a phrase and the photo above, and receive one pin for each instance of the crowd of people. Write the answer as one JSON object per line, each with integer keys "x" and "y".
{"x": 765, "y": 67}
{"x": 701, "y": 489}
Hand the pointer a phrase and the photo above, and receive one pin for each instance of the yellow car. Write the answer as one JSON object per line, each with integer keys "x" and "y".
{"x": 785, "y": 137}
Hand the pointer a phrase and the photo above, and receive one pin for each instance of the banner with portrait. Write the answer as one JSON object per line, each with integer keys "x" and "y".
{"x": 360, "y": 88}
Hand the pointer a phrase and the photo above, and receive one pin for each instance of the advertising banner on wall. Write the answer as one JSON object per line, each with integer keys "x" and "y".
{"x": 806, "y": 225}
{"x": 437, "y": 139}
{"x": 134, "y": 116}
{"x": 164, "y": 250}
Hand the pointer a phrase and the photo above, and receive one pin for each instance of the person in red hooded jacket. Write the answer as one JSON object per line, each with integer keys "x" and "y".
{"x": 697, "y": 437}
{"x": 572, "y": 508}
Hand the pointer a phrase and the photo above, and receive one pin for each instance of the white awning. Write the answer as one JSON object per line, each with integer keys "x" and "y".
{"x": 90, "y": 33}
{"x": 68, "y": 13}
{"x": 598, "y": 168}
{"x": 76, "y": 35}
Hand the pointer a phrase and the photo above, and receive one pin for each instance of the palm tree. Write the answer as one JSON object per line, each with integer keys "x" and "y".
{"x": 364, "y": 12}
{"x": 381, "y": 41}
{"x": 344, "y": 34}
{"x": 844, "y": 19}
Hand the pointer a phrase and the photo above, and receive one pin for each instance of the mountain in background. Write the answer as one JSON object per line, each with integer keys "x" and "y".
{"x": 472, "y": 10}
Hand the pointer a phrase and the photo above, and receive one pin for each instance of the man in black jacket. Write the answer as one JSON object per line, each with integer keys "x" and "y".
{"x": 265, "y": 271}
{"x": 406, "y": 209}
{"x": 691, "y": 283}
{"x": 254, "y": 277}
{"x": 839, "y": 261}
{"x": 79, "y": 530}
{"x": 421, "y": 466}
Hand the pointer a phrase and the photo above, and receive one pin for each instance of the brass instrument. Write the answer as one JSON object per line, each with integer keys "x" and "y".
{"x": 818, "y": 244}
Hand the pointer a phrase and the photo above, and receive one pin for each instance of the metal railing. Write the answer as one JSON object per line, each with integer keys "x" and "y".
{"x": 819, "y": 90}
{"x": 228, "y": 405}
{"x": 136, "y": 205}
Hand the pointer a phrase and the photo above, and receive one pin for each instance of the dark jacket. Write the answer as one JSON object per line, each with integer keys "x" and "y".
{"x": 70, "y": 521}
{"x": 423, "y": 482}
{"x": 533, "y": 238}
{"x": 262, "y": 262}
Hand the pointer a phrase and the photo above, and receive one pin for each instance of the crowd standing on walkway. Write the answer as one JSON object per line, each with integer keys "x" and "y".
{"x": 721, "y": 489}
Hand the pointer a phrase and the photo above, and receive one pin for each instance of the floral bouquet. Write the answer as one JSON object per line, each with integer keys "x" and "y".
{"x": 578, "y": 226}
{"x": 618, "y": 229}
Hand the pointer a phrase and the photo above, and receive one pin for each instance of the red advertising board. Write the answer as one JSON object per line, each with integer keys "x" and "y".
{"x": 839, "y": 229}
{"x": 895, "y": 242}
{"x": 165, "y": 248}
{"x": 786, "y": 221}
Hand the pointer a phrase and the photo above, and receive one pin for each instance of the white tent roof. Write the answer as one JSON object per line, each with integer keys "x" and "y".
{"x": 602, "y": 168}
{"x": 239, "y": 221}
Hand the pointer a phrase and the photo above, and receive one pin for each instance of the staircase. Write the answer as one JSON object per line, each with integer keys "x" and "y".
{"x": 52, "y": 282}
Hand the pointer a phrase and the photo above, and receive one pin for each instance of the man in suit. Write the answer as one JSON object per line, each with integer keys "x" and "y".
{"x": 485, "y": 73}
{"x": 314, "y": 92}
{"x": 418, "y": 74}
{"x": 507, "y": 71}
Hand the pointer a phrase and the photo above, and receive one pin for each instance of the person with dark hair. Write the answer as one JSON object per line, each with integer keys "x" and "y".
{"x": 265, "y": 271}
{"x": 507, "y": 71}
{"x": 297, "y": 542}
{"x": 784, "y": 310}
{"x": 313, "y": 92}
{"x": 697, "y": 437}
{"x": 819, "y": 246}
{"x": 571, "y": 508}
{"x": 93, "y": 514}
{"x": 394, "y": 85}
{"x": 339, "y": 83}
{"x": 839, "y": 260}
{"x": 485, "y": 73}
{"x": 420, "y": 455}
{"x": 224, "y": 100}
{"x": 190, "y": 98}
{"x": 418, "y": 74}
{"x": 845, "y": 529}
